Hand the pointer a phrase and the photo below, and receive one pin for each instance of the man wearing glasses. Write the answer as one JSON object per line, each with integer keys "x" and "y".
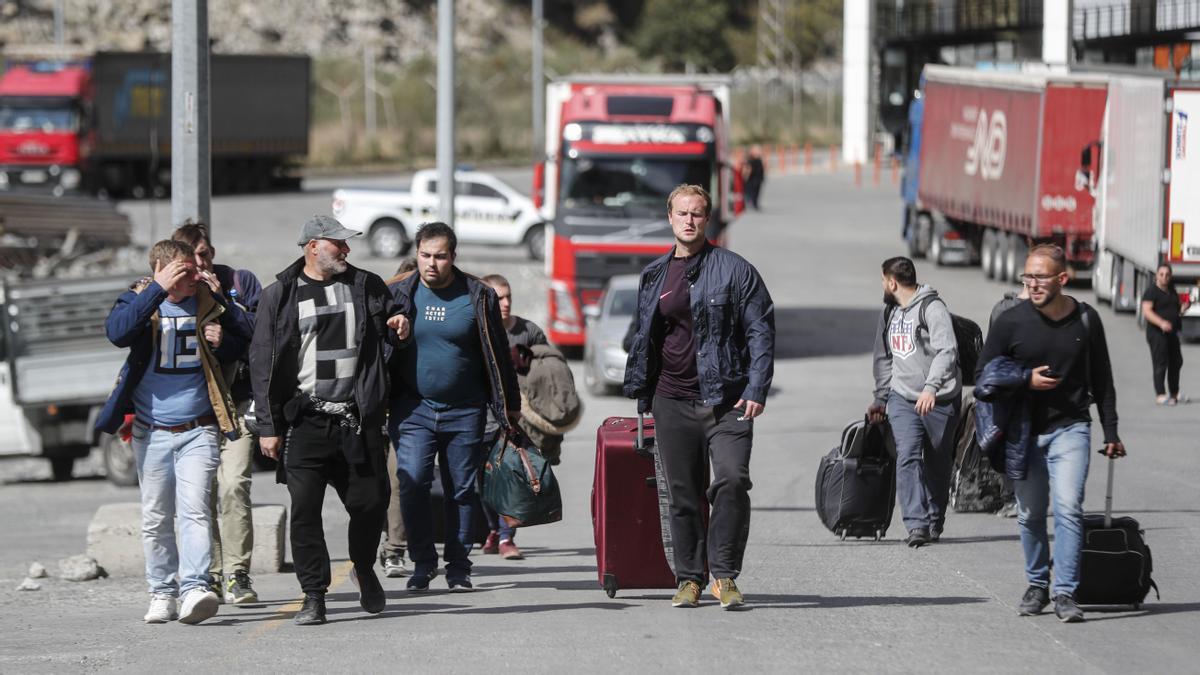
{"x": 1068, "y": 358}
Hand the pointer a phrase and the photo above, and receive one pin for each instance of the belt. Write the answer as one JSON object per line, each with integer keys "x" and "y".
{"x": 202, "y": 421}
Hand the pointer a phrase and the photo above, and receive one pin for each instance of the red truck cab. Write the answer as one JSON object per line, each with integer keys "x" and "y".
{"x": 617, "y": 146}
{"x": 42, "y": 134}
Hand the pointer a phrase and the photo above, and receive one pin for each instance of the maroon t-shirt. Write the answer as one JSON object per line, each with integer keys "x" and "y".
{"x": 677, "y": 378}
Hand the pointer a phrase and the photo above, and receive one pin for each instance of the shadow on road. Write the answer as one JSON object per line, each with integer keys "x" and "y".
{"x": 764, "y": 601}
{"x": 1148, "y": 609}
{"x": 807, "y": 332}
{"x": 783, "y": 509}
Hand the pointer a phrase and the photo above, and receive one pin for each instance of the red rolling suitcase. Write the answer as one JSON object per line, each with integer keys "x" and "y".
{"x": 629, "y": 509}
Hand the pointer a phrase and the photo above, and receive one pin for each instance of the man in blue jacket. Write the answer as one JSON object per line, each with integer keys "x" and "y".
{"x": 702, "y": 358}
{"x": 178, "y": 332}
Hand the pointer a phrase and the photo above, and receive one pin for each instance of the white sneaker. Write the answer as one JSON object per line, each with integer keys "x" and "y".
{"x": 162, "y": 609}
{"x": 198, "y": 604}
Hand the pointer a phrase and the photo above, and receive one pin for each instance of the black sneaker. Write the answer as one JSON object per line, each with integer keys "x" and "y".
{"x": 420, "y": 579}
{"x": 1034, "y": 601}
{"x": 1066, "y": 610}
{"x": 935, "y": 534}
{"x": 313, "y": 611}
{"x": 370, "y": 591}
{"x": 459, "y": 582}
{"x": 917, "y": 538}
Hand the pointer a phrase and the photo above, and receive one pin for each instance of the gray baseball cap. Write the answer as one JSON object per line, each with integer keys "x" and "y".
{"x": 325, "y": 227}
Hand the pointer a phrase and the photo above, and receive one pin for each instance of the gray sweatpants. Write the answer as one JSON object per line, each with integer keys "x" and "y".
{"x": 924, "y": 459}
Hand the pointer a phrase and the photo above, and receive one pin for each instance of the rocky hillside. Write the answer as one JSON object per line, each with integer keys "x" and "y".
{"x": 399, "y": 32}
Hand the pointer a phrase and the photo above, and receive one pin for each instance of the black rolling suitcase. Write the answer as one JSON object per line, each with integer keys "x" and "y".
{"x": 856, "y": 483}
{"x": 1115, "y": 566}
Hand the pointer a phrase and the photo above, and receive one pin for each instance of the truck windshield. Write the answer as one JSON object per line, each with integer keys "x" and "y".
{"x": 628, "y": 184}
{"x": 48, "y": 120}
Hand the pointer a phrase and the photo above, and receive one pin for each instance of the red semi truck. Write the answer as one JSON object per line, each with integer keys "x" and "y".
{"x": 1000, "y": 167}
{"x": 615, "y": 148}
{"x": 102, "y": 122}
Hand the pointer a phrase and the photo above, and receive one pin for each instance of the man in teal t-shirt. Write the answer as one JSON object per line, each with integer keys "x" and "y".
{"x": 452, "y": 367}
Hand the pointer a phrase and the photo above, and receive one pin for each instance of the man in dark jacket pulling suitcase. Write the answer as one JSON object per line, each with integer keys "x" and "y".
{"x": 319, "y": 380}
{"x": 702, "y": 358}
{"x": 918, "y": 385}
{"x": 1068, "y": 358}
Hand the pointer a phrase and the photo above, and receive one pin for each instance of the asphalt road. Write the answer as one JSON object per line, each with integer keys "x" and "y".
{"x": 815, "y": 603}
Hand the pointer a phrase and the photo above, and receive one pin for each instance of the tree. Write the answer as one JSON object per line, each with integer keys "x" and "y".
{"x": 680, "y": 33}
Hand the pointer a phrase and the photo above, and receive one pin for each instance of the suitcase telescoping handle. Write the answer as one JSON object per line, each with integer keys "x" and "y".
{"x": 1112, "y": 462}
{"x": 640, "y": 446}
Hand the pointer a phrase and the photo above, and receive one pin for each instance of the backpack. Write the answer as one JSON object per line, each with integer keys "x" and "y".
{"x": 967, "y": 336}
{"x": 975, "y": 486}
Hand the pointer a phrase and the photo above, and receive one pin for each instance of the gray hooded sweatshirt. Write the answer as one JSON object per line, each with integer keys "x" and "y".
{"x": 921, "y": 357}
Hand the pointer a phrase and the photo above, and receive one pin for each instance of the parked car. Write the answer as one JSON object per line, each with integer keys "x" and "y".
{"x": 486, "y": 211}
{"x": 607, "y": 322}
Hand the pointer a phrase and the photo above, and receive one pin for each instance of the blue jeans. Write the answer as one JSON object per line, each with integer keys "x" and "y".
{"x": 175, "y": 474}
{"x": 924, "y": 459}
{"x": 1057, "y": 471}
{"x": 455, "y": 437}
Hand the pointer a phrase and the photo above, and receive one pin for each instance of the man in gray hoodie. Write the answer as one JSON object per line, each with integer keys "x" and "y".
{"x": 919, "y": 388}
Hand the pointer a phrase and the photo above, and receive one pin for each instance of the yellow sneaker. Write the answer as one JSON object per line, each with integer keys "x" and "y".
{"x": 688, "y": 595}
{"x": 727, "y": 592}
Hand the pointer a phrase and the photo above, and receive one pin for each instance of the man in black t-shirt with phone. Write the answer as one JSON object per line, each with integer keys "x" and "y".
{"x": 1162, "y": 310}
{"x": 1062, "y": 342}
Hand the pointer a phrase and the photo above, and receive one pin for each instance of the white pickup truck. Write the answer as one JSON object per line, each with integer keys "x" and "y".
{"x": 487, "y": 211}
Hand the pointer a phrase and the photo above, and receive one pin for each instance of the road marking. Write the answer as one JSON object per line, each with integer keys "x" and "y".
{"x": 289, "y": 610}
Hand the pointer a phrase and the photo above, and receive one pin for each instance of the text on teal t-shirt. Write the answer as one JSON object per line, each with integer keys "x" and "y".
{"x": 444, "y": 362}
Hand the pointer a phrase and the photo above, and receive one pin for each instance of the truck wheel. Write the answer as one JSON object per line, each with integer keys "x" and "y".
{"x": 913, "y": 233}
{"x": 1018, "y": 251}
{"x": 987, "y": 254}
{"x": 1003, "y": 244}
{"x": 119, "y": 463}
{"x": 388, "y": 239}
{"x": 937, "y": 250}
{"x": 62, "y": 467}
{"x": 535, "y": 242}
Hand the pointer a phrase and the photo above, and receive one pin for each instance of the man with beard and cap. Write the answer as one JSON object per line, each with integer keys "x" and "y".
{"x": 320, "y": 392}
{"x": 919, "y": 388}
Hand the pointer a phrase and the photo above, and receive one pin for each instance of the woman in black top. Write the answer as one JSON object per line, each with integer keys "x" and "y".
{"x": 1162, "y": 310}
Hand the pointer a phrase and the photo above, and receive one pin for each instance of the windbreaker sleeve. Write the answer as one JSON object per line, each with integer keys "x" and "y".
{"x": 758, "y": 326}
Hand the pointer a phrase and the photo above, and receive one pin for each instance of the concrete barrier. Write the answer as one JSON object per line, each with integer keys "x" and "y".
{"x": 114, "y": 539}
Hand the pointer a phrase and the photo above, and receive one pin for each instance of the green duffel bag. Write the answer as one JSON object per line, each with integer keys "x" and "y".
{"x": 518, "y": 483}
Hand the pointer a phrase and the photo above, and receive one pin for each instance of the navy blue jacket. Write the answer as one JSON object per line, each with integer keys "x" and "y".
{"x": 128, "y": 325}
{"x": 733, "y": 324}
{"x": 1003, "y": 420}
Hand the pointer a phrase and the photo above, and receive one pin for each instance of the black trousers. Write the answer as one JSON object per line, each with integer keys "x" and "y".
{"x": 315, "y": 459}
{"x": 690, "y": 437}
{"x": 1167, "y": 358}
